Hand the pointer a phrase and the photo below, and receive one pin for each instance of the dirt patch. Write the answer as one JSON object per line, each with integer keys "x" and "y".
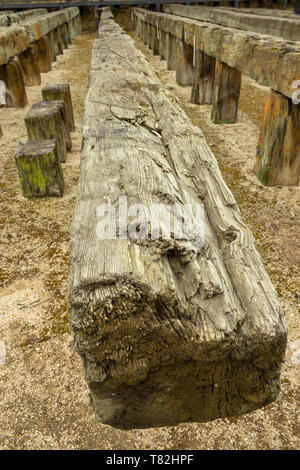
{"x": 44, "y": 401}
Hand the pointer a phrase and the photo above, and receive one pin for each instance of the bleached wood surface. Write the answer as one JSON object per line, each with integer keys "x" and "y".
{"x": 167, "y": 334}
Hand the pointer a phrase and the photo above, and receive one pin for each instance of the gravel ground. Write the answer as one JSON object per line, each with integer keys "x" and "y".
{"x": 44, "y": 402}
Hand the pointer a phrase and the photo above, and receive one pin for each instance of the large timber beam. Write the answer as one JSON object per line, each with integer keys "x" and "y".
{"x": 271, "y": 61}
{"x": 169, "y": 330}
{"x": 29, "y": 47}
{"x": 268, "y": 60}
{"x": 275, "y": 25}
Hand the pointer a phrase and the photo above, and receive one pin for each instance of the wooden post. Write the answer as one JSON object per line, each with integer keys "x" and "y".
{"x": 58, "y": 42}
{"x": 30, "y": 67}
{"x": 162, "y": 46}
{"x": 62, "y": 32}
{"x": 43, "y": 49}
{"x": 61, "y": 92}
{"x": 53, "y": 46}
{"x": 171, "y": 51}
{"x": 148, "y": 34}
{"x": 204, "y": 78}
{"x": 185, "y": 69}
{"x": 67, "y": 33}
{"x": 77, "y": 24}
{"x": 156, "y": 50}
{"x": 137, "y": 25}
{"x": 11, "y": 75}
{"x": 1, "y": 132}
{"x": 71, "y": 29}
{"x": 39, "y": 169}
{"x": 45, "y": 120}
{"x": 145, "y": 32}
{"x": 150, "y": 38}
{"x": 226, "y": 94}
{"x": 278, "y": 152}
{"x": 154, "y": 40}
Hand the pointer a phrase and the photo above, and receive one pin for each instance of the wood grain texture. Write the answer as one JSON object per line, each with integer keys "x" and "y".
{"x": 167, "y": 333}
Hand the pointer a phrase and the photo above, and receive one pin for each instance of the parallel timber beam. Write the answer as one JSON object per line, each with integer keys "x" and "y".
{"x": 270, "y": 61}
{"x": 287, "y": 28}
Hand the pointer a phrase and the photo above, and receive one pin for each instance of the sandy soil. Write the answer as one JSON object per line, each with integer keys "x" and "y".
{"x": 43, "y": 398}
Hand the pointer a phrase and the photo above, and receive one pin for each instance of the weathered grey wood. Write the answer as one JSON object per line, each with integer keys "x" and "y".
{"x": 204, "y": 79}
{"x": 61, "y": 92}
{"x": 11, "y": 75}
{"x": 43, "y": 48}
{"x": 39, "y": 169}
{"x": 226, "y": 95}
{"x": 168, "y": 332}
{"x": 30, "y": 67}
{"x": 278, "y": 153}
{"x": 47, "y": 120}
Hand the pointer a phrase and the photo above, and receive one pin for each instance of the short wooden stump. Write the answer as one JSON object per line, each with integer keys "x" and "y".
{"x": 48, "y": 120}
{"x": 39, "y": 169}
{"x": 61, "y": 92}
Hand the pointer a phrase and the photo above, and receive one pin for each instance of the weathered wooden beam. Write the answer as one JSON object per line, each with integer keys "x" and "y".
{"x": 11, "y": 75}
{"x": 169, "y": 331}
{"x": 204, "y": 79}
{"x": 278, "y": 152}
{"x": 13, "y": 41}
{"x": 271, "y": 61}
{"x": 61, "y": 92}
{"x": 226, "y": 95}
{"x": 39, "y": 169}
{"x": 286, "y": 28}
{"x": 46, "y": 120}
{"x": 30, "y": 66}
